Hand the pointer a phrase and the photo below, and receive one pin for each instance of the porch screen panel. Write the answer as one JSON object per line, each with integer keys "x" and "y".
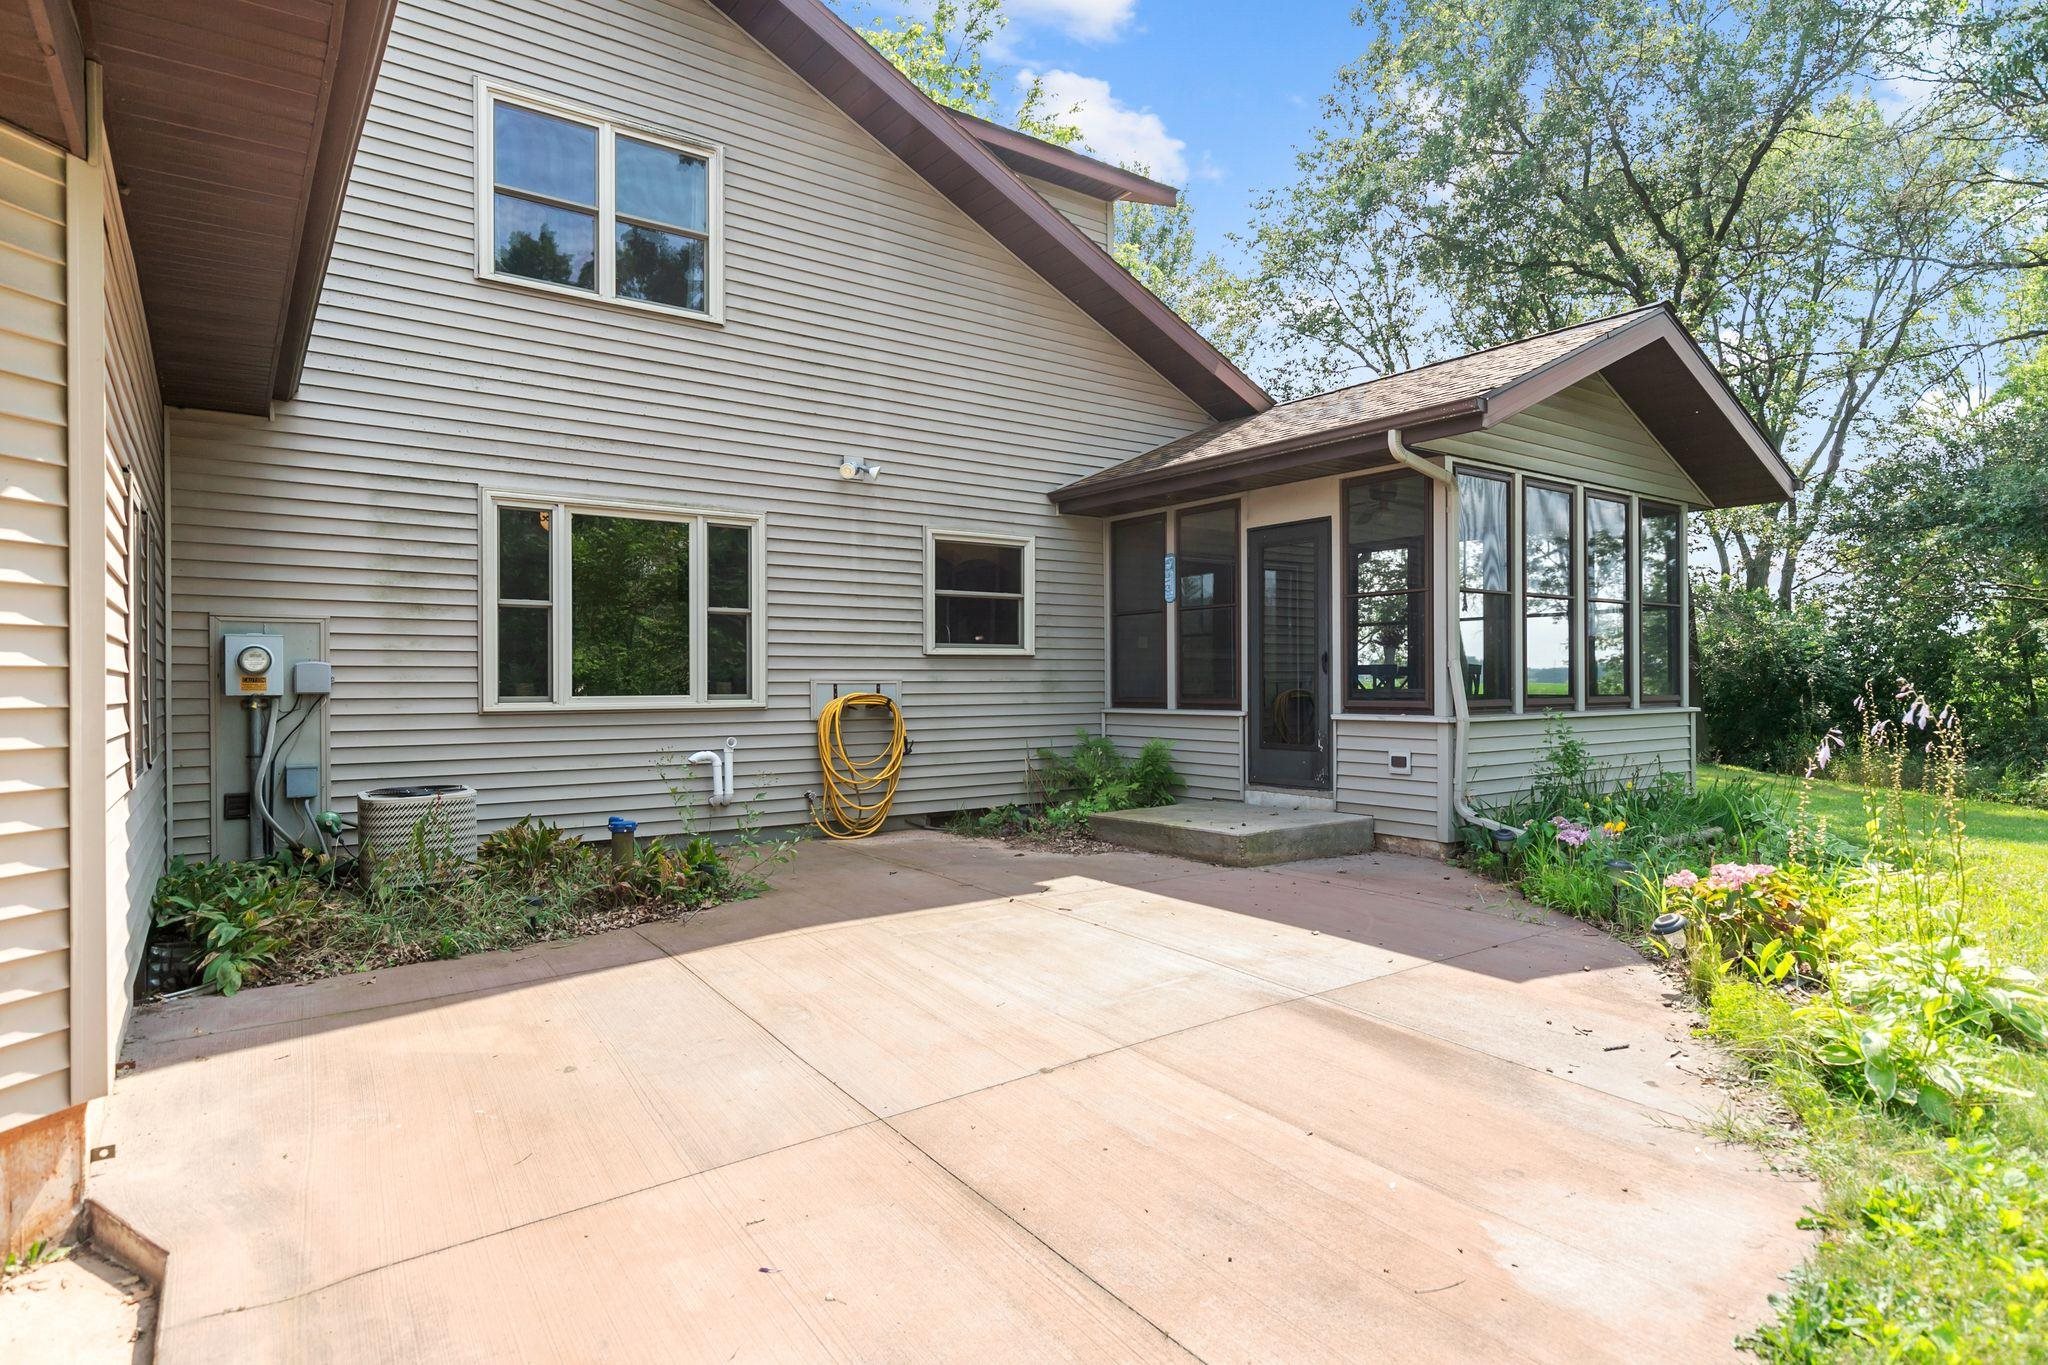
{"x": 1137, "y": 609}
{"x": 1386, "y": 588}
{"x": 1549, "y": 660}
{"x": 1662, "y": 584}
{"x": 1607, "y": 633}
{"x": 1486, "y": 603}
{"x": 1206, "y": 596}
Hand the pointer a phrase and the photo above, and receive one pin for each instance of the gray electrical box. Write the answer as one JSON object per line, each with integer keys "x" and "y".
{"x": 312, "y": 677}
{"x": 252, "y": 665}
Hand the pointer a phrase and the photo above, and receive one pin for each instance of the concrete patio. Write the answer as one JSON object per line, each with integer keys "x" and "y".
{"x": 934, "y": 1099}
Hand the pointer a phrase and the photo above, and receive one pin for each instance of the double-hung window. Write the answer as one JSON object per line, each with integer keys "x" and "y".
{"x": 1386, "y": 590}
{"x": 1608, "y": 645}
{"x": 1205, "y": 606}
{"x": 1549, "y": 596}
{"x": 1137, "y": 611}
{"x": 611, "y": 606}
{"x": 574, "y": 203}
{"x": 1486, "y": 602}
{"x": 980, "y": 594}
{"x": 1660, "y": 530}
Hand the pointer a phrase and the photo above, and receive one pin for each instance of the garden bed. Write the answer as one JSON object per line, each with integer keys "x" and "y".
{"x": 1869, "y": 951}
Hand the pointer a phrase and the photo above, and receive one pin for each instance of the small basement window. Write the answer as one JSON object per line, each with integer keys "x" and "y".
{"x": 573, "y": 203}
{"x": 980, "y": 594}
{"x": 620, "y": 606}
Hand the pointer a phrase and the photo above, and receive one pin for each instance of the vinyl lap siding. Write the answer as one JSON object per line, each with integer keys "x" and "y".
{"x": 1587, "y": 434}
{"x": 1208, "y": 748}
{"x": 136, "y": 777}
{"x": 1411, "y": 806}
{"x": 34, "y": 611}
{"x": 865, "y": 317}
{"x": 1506, "y": 751}
{"x": 1093, "y": 216}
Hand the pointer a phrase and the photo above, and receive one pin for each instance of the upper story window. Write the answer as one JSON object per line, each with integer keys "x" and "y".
{"x": 1387, "y": 590}
{"x": 980, "y": 598}
{"x": 573, "y": 203}
{"x": 619, "y": 606}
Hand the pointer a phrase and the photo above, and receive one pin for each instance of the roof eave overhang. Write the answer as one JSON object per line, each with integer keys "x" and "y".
{"x": 818, "y": 46}
{"x": 1340, "y": 451}
{"x": 1063, "y": 166}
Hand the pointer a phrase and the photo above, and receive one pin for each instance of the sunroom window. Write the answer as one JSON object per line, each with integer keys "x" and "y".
{"x": 1662, "y": 584}
{"x": 1205, "y": 603}
{"x": 1386, "y": 588}
{"x": 1607, "y": 632}
{"x": 1137, "y": 612}
{"x": 1486, "y": 603}
{"x": 605, "y": 606}
{"x": 579, "y": 204}
{"x": 1549, "y": 596}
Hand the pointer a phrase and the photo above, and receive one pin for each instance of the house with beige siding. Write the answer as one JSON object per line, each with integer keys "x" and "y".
{"x": 579, "y": 385}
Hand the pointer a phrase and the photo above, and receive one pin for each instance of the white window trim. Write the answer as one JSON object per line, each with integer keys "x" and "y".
{"x": 608, "y": 129}
{"x": 562, "y": 604}
{"x": 1029, "y": 627}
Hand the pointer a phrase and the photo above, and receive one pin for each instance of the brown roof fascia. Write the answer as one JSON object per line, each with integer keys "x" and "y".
{"x": 358, "y": 34}
{"x": 1048, "y": 161}
{"x": 63, "y": 52}
{"x": 816, "y": 44}
{"x": 1302, "y": 457}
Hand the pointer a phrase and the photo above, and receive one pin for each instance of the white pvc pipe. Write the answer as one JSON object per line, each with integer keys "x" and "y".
{"x": 1454, "y": 657}
{"x": 731, "y": 771}
{"x": 717, "y": 765}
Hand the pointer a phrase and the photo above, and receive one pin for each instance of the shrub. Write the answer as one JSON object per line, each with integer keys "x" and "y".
{"x": 235, "y": 914}
{"x": 530, "y": 847}
{"x": 1097, "y": 777}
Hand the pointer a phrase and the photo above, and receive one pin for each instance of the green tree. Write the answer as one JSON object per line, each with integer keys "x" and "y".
{"x": 946, "y": 55}
{"x": 1488, "y": 170}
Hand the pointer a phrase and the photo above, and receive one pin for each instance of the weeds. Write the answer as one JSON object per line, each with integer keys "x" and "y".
{"x": 1094, "y": 779}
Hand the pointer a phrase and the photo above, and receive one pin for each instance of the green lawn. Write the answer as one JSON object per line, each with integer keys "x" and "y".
{"x": 2007, "y": 851}
{"x": 1937, "y": 1247}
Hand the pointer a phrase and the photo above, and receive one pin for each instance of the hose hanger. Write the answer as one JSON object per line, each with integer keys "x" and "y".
{"x": 858, "y": 791}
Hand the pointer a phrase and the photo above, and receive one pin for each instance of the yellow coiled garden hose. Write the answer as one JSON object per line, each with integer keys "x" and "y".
{"x": 858, "y": 791}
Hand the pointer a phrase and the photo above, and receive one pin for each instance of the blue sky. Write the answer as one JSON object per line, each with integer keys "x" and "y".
{"x": 1238, "y": 86}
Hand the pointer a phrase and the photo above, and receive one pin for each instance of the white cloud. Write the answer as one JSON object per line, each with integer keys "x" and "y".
{"x": 1112, "y": 129}
{"x": 1091, "y": 21}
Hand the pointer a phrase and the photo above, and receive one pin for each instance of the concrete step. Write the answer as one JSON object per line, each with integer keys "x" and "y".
{"x": 1235, "y": 834}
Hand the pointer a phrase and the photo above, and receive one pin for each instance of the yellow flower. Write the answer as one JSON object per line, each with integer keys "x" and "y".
{"x": 1615, "y": 826}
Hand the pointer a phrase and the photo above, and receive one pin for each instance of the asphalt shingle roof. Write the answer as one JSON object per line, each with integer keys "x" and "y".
{"x": 1377, "y": 402}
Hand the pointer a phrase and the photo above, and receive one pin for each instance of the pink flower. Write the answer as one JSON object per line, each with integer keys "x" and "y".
{"x": 1685, "y": 879}
{"x": 1573, "y": 836}
{"x": 1735, "y": 876}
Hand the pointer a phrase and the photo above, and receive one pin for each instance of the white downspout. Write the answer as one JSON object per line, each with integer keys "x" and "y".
{"x": 1454, "y": 657}
{"x": 731, "y": 768}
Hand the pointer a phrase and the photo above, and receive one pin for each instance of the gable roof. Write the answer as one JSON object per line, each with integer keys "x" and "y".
{"x": 837, "y": 62}
{"x": 1657, "y": 368}
{"x": 1048, "y": 161}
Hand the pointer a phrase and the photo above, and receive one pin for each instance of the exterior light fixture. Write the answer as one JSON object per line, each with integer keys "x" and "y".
{"x": 855, "y": 470}
{"x": 1619, "y": 870}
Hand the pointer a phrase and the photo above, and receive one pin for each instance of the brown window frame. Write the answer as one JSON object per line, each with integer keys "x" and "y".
{"x": 1117, "y": 701}
{"x": 1574, "y": 666}
{"x": 1178, "y": 637}
{"x": 1514, "y": 554}
{"x": 1630, "y": 570}
{"x": 1425, "y": 648}
{"x": 1679, "y": 617}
